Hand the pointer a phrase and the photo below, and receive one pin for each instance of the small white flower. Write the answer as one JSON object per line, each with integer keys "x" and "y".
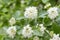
{"x": 11, "y": 31}
{"x": 31, "y": 12}
{"x": 37, "y": 25}
{"x": 47, "y": 5}
{"x": 55, "y": 37}
{"x": 36, "y": 38}
{"x": 52, "y": 12}
{"x": 22, "y": 1}
{"x": 12, "y": 21}
{"x": 42, "y": 28}
{"x": 27, "y": 31}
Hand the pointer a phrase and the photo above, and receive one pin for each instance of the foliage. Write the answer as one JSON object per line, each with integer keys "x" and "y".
{"x": 16, "y": 9}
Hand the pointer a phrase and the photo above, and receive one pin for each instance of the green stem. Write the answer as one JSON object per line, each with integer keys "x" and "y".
{"x": 47, "y": 33}
{"x": 35, "y": 20}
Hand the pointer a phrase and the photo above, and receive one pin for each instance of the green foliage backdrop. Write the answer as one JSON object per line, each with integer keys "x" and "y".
{"x": 16, "y": 9}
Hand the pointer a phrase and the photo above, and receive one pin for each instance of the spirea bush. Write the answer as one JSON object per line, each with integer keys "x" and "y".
{"x": 29, "y": 19}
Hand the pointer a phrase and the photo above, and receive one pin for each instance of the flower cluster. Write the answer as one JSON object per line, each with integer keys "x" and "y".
{"x": 55, "y": 37}
{"x": 31, "y": 12}
{"x": 29, "y": 19}
{"x": 42, "y": 28}
{"x": 52, "y": 12}
{"x": 11, "y": 31}
{"x": 12, "y": 21}
{"x": 28, "y": 31}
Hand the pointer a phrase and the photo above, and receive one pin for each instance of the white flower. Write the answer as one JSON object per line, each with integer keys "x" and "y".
{"x": 31, "y": 12}
{"x": 55, "y": 37}
{"x": 22, "y": 1}
{"x": 27, "y": 31}
{"x": 11, "y": 31}
{"x": 12, "y": 21}
{"x": 47, "y": 5}
{"x": 52, "y": 12}
{"x": 36, "y": 38}
{"x": 37, "y": 25}
{"x": 42, "y": 28}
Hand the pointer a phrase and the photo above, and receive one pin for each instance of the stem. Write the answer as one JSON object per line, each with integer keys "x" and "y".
{"x": 47, "y": 33}
{"x": 35, "y": 20}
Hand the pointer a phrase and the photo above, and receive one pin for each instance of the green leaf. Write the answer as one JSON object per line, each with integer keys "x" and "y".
{"x": 1, "y": 37}
{"x": 46, "y": 36}
{"x": 19, "y": 32}
{"x": 42, "y": 14}
{"x": 47, "y": 21}
{"x": 1, "y": 23}
{"x": 45, "y": 1}
{"x": 56, "y": 28}
{"x": 37, "y": 33}
{"x": 1, "y": 5}
{"x": 18, "y": 16}
{"x": 2, "y": 31}
{"x": 58, "y": 20}
{"x": 5, "y": 10}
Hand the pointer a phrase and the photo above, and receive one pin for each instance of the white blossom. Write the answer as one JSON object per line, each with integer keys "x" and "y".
{"x": 36, "y": 38}
{"x": 55, "y": 37}
{"x": 31, "y": 12}
{"x": 47, "y": 5}
{"x": 27, "y": 31}
{"x": 22, "y": 1}
{"x": 37, "y": 25}
{"x": 52, "y": 12}
{"x": 12, "y": 21}
{"x": 11, "y": 31}
{"x": 42, "y": 28}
